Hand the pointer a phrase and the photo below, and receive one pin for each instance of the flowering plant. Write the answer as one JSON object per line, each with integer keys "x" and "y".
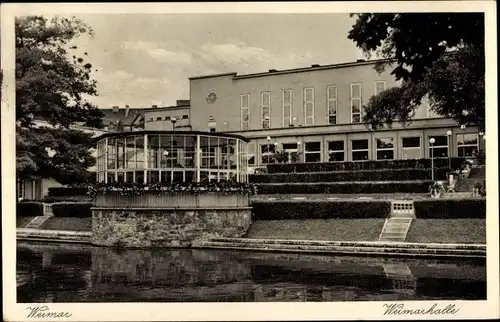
{"x": 130, "y": 188}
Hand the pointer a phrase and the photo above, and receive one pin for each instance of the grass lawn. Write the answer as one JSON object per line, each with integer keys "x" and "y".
{"x": 68, "y": 223}
{"x": 22, "y": 221}
{"x": 460, "y": 231}
{"x": 317, "y": 229}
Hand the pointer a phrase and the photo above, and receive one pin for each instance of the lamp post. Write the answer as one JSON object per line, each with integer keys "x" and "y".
{"x": 173, "y": 120}
{"x": 462, "y": 127}
{"x": 448, "y": 135}
{"x": 432, "y": 141}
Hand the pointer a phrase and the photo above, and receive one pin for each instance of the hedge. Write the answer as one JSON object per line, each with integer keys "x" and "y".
{"x": 372, "y": 175}
{"x": 363, "y": 165}
{"x": 276, "y": 210}
{"x": 52, "y": 199}
{"x": 72, "y": 209}
{"x": 29, "y": 208}
{"x": 345, "y": 187}
{"x": 450, "y": 208}
{"x": 67, "y": 191}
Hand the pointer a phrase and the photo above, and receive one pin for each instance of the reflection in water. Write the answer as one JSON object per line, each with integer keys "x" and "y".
{"x": 70, "y": 273}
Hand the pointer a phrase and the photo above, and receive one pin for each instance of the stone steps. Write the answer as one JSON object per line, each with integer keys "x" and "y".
{"x": 37, "y": 222}
{"x": 53, "y": 235}
{"x": 395, "y": 229}
{"x": 373, "y": 248}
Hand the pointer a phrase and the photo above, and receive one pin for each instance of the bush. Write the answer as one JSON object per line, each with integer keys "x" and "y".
{"x": 373, "y": 175}
{"x": 67, "y": 191}
{"x": 450, "y": 208}
{"x": 72, "y": 209}
{"x": 363, "y": 165}
{"x": 276, "y": 210}
{"x": 345, "y": 187}
{"x": 29, "y": 208}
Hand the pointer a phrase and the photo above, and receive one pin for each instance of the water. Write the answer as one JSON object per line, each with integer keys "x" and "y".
{"x": 72, "y": 273}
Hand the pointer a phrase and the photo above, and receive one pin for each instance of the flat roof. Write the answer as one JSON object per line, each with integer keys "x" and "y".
{"x": 296, "y": 70}
{"x": 213, "y": 134}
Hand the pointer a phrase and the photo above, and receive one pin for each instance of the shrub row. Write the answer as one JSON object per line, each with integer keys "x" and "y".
{"x": 72, "y": 209}
{"x": 278, "y": 210}
{"x": 52, "y": 199}
{"x": 450, "y": 208}
{"x": 365, "y": 175}
{"x": 29, "y": 208}
{"x": 363, "y": 165}
{"x": 345, "y": 187}
{"x": 67, "y": 191}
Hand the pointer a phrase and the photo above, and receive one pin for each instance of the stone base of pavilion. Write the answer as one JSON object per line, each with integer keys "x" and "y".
{"x": 168, "y": 220}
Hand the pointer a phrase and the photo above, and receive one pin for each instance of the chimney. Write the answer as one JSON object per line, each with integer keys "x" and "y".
{"x": 315, "y": 65}
{"x": 360, "y": 60}
{"x": 127, "y": 108}
{"x": 182, "y": 102}
{"x": 272, "y": 70}
{"x": 115, "y": 109}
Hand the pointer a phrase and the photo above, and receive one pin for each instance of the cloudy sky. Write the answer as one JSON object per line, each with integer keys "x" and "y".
{"x": 146, "y": 59}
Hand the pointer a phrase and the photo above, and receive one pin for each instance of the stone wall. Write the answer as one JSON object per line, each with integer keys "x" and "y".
{"x": 156, "y": 227}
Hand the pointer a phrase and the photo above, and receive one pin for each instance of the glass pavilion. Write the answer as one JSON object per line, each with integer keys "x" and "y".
{"x": 160, "y": 156}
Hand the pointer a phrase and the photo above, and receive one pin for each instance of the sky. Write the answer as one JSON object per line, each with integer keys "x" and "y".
{"x": 145, "y": 59}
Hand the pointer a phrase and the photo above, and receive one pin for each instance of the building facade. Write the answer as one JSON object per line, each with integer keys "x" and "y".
{"x": 317, "y": 112}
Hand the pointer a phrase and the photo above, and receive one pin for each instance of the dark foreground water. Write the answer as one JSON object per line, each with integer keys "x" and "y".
{"x": 69, "y": 273}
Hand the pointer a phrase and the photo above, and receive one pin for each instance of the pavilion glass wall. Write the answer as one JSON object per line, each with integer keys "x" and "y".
{"x": 171, "y": 158}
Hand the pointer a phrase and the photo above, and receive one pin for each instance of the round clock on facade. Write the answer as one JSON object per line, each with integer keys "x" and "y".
{"x": 211, "y": 97}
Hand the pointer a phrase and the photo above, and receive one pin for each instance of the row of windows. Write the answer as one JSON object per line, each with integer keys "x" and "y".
{"x": 166, "y": 118}
{"x": 359, "y": 149}
{"x": 308, "y": 105}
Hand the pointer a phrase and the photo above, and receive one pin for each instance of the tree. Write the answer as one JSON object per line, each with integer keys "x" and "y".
{"x": 437, "y": 56}
{"x": 53, "y": 85}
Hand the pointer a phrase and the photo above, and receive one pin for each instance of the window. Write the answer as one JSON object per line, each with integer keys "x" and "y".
{"x": 411, "y": 148}
{"x": 440, "y": 148}
{"x": 356, "y": 103}
{"x": 359, "y": 150}
{"x": 266, "y": 153}
{"x": 245, "y": 112}
{"x": 331, "y": 92}
{"x": 185, "y": 116}
{"x": 380, "y": 86}
{"x": 251, "y": 153}
{"x": 287, "y": 107}
{"x": 312, "y": 152}
{"x": 158, "y": 118}
{"x": 265, "y": 105}
{"x": 467, "y": 144}
{"x": 385, "y": 149}
{"x": 308, "y": 106}
{"x": 20, "y": 189}
{"x": 335, "y": 151}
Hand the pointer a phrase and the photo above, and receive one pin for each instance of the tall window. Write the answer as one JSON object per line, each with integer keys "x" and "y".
{"x": 359, "y": 150}
{"x": 467, "y": 144}
{"x": 251, "y": 153}
{"x": 20, "y": 189}
{"x": 356, "y": 103}
{"x": 308, "y": 106}
{"x": 265, "y": 105}
{"x": 385, "y": 149}
{"x": 266, "y": 153}
{"x": 380, "y": 86}
{"x": 331, "y": 92}
{"x": 245, "y": 112}
{"x": 410, "y": 148}
{"x": 335, "y": 151}
{"x": 312, "y": 151}
{"x": 286, "y": 100}
{"x": 440, "y": 148}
